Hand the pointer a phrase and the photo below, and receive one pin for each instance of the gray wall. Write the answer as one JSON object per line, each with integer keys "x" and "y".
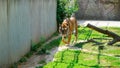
{"x": 23, "y": 22}
{"x": 98, "y": 10}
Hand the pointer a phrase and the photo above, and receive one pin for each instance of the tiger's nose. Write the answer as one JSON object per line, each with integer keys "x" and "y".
{"x": 64, "y": 36}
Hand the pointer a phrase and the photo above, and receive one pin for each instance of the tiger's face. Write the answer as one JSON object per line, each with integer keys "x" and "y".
{"x": 63, "y": 29}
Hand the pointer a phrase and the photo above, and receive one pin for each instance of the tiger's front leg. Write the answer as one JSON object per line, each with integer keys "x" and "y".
{"x": 69, "y": 38}
{"x": 64, "y": 41}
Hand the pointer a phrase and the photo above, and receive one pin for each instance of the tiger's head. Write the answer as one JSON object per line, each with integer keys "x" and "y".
{"x": 64, "y": 28}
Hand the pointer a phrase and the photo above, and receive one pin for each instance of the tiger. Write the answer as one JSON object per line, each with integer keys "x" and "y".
{"x": 67, "y": 28}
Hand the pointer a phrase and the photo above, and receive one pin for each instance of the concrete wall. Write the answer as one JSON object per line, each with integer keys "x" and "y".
{"x": 98, "y": 10}
{"x": 23, "y": 22}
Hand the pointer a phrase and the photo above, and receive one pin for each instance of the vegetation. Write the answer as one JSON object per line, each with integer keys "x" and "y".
{"x": 65, "y": 8}
{"x": 42, "y": 62}
{"x": 34, "y": 49}
{"x": 23, "y": 59}
{"x": 50, "y": 45}
{"x": 72, "y": 58}
{"x": 78, "y": 59}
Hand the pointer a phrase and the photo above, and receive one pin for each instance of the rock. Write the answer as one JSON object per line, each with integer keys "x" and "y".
{"x": 98, "y": 10}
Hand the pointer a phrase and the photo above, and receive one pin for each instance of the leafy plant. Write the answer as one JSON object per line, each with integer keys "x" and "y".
{"x": 71, "y": 7}
{"x": 65, "y": 8}
{"x": 39, "y": 67}
{"x": 29, "y": 54}
{"x": 34, "y": 48}
{"x": 15, "y": 65}
{"x": 23, "y": 59}
{"x": 42, "y": 51}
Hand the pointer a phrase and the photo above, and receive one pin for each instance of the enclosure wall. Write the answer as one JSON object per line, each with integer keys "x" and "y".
{"x": 22, "y": 24}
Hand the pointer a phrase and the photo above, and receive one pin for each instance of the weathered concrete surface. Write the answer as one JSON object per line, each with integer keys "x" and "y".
{"x": 4, "y": 44}
{"x": 98, "y": 10}
{"x": 23, "y": 22}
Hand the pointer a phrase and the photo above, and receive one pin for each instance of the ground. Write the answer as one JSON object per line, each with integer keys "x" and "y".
{"x": 83, "y": 54}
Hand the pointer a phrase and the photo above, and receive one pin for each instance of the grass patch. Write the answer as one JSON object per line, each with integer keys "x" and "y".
{"x": 99, "y": 37}
{"x": 78, "y": 59}
{"x": 114, "y": 29}
{"x": 53, "y": 43}
{"x": 86, "y": 33}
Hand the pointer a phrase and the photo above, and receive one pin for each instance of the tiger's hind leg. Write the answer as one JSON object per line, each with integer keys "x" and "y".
{"x": 76, "y": 31}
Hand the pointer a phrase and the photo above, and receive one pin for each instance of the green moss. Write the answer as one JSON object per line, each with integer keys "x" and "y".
{"x": 23, "y": 59}
{"x": 42, "y": 62}
{"x": 29, "y": 54}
